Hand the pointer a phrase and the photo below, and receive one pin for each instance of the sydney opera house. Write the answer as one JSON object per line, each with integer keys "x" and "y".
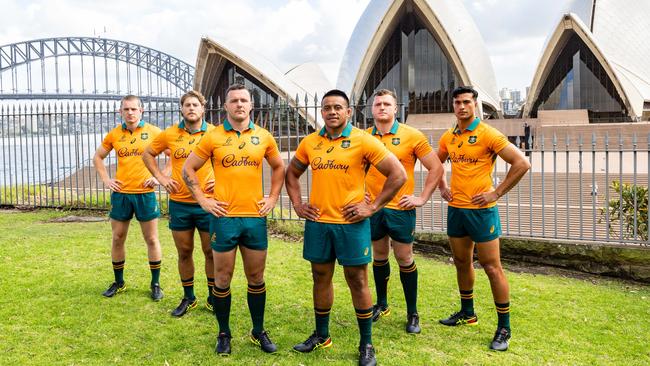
{"x": 594, "y": 64}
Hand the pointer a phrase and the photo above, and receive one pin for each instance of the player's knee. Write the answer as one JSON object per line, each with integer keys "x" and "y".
{"x": 492, "y": 270}
{"x": 404, "y": 258}
{"x": 119, "y": 237}
{"x": 222, "y": 279}
{"x": 463, "y": 263}
{"x": 184, "y": 255}
{"x": 207, "y": 253}
{"x": 151, "y": 240}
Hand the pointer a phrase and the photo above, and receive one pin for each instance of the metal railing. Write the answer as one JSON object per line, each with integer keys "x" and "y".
{"x": 570, "y": 193}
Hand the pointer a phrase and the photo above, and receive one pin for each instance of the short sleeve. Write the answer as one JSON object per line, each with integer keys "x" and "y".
{"x": 159, "y": 143}
{"x": 373, "y": 150}
{"x": 422, "y": 147}
{"x": 442, "y": 143}
{"x": 301, "y": 152}
{"x": 204, "y": 149}
{"x": 498, "y": 141}
{"x": 107, "y": 143}
{"x": 271, "y": 148}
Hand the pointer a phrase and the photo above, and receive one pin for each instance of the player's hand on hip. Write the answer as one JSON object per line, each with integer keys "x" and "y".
{"x": 170, "y": 185}
{"x": 209, "y": 186}
{"x": 410, "y": 201}
{"x": 214, "y": 207}
{"x": 150, "y": 182}
{"x": 445, "y": 193}
{"x": 114, "y": 185}
{"x": 484, "y": 198}
{"x": 358, "y": 211}
{"x": 307, "y": 211}
{"x": 266, "y": 204}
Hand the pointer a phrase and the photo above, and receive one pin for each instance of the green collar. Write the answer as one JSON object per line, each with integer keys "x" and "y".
{"x": 228, "y": 127}
{"x": 393, "y": 129}
{"x": 345, "y": 133}
{"x": 140, "y": 125}
{"x": 471, "y": 127}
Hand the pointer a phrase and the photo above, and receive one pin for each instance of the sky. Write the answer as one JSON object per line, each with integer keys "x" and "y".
{"x": 287, "y": 32}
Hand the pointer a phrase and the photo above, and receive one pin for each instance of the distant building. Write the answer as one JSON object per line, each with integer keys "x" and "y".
{"x": 596, "y": 60}
{"x": 422, "y": 50}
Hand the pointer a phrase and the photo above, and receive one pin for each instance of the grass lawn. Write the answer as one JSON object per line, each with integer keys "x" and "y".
{"x": 52, "y": 276}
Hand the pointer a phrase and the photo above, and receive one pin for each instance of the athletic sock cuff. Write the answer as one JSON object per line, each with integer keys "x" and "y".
{"x": 363, "y": 313}
{"x": 221, "y": 292}
{"x": 322, "y": 312}
{"x": 408, "y": 269}
{"x": 257, "y": 289}
{"x": 379, "y": 263}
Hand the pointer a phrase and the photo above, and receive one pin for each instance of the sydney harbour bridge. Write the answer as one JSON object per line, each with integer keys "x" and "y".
{"x": 87, "y": 68}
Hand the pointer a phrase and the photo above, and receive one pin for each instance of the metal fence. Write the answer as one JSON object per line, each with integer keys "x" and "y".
{"x": 572, "y": 192}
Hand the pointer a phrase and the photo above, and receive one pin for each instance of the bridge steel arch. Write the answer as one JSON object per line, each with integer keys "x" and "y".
{"x": 12, "y": 56}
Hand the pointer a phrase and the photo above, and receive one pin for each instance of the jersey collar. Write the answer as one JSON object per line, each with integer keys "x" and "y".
{"x": 204, "y": 126}
{"x": 228, "y": 127}
{"x": 471, "y": 127}
{"x": 345, "y": 133}
{"x": 140, "y": 125}
{"x": 393, "y": 129}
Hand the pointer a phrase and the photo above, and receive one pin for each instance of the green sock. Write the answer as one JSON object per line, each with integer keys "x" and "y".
{"x": 256, "y": 303}
{"x": 210, "y": 287}
{"x": 118, "y": 271}
{"x": 503, "y": 313}
{"x": 322, "y": 322}
{"x": 381, "y": 273}
{"x": 188, "y": 288}
{"x": 408, "y": 275}
{"x": 155, "y": 271}
{"x": 467, "y": 301}
{"x": 221, "y": 306}
{"x": 364, "y": 319}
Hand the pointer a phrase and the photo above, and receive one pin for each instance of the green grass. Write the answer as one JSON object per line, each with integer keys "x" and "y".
{"x": 52, "y": 275}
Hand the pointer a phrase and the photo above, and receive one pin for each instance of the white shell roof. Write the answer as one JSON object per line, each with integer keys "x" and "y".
{"x": 311, "y": 78}
{"x": 263, "y": 70}
{"x": 451, "y": 22}
{"x": 619, "y": 35}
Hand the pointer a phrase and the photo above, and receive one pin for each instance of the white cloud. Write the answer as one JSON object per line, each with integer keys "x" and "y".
{"x": 287, "y": 32}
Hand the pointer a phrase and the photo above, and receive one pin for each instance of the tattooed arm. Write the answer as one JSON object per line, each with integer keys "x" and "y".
{"x": 191, "y": 166}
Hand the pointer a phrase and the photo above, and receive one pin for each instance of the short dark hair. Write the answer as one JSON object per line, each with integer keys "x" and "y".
{"x": 336, "y": 93}
{"x": 464, "y": 90}
{"x": 237, "y": 86}
{"x": 131, "y": 97}
{"x": 382, "y": 92}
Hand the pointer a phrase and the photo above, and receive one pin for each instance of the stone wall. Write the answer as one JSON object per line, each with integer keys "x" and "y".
{"x": 629, "y": 262}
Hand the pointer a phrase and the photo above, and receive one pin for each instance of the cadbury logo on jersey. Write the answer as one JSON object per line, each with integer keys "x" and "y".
{"x": 231, "y": 161}
{"x": 461, "y": 158}
{"x": 182, "y": 153}
{"x": 125, "y": 152}
{"x": 319, "y": 164}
